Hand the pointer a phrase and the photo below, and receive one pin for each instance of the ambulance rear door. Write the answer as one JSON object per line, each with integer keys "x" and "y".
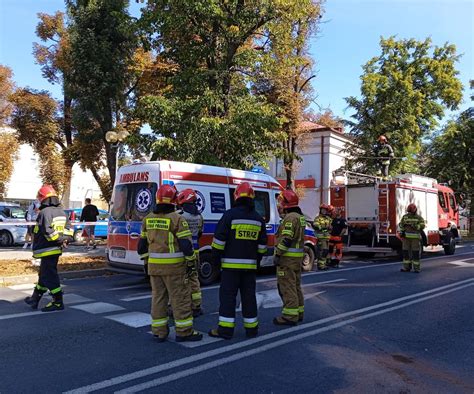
{"x": 133, "y": 198}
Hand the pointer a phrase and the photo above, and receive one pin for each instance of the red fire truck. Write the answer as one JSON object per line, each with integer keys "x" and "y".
{"x": 373, "y": 208}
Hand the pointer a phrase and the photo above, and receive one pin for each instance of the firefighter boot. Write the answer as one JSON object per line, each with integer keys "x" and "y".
{"x": 35, "y": 298}
{"x": 217, "y": 333}
{"x": 281, "y": 321}
{"x": 56, "y": 303}
{"x": 194, "y": 337}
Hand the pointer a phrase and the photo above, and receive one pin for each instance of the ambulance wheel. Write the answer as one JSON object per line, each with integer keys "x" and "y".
{"x": 451, "y": 245}
{"x": 308, "y": 260}
{"x": 208, "y": 271}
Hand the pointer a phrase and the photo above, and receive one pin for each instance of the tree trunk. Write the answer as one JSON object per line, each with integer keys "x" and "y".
{"x": 66, "y": 200}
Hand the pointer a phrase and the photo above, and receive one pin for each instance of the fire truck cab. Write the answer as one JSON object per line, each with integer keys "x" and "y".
{"x": 374, "y": 207}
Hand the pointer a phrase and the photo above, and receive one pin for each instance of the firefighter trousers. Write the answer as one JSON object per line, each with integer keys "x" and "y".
{"x": 335, "y": 249}
{"x": 171, "y": 288}
{"x": 322, "y": 250}
{"x": 195, "y": 289}
{"x": 289, "y": 287}
{"x": 48, "y": 275}
{"x": 233, "y": 281}
{"x": 411, "y": 253}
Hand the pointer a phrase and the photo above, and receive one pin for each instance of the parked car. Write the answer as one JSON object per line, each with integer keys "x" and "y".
{"x": 100, "y": 230}
{"x": 11, "y": 234}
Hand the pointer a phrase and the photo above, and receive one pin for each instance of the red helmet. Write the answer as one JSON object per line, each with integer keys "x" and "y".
{"x": 187, "y": 195}
{"x": 382, "y": 138}
{"x": 412, "y": 208}
{"x": 166, "y": 194}
{"x": 329, "y": 208}
{"x": 244, "y": 190}
{"x": 46, "y": 191}
{"x": 288, "y": 199}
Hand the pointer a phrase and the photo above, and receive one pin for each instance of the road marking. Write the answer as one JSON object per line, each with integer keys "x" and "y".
{"x": 129, "y": 287}
{"x": 236, "y": 346}
{"x": 75, "y": 299}
{"x": 15, "y": 315}
{"x": 132, "y": 319}
{"x": 247, "y": 353}
{"x": 25, "y": 286}
{"x": 206, "y": 339}
{"x": 98, "y": 307}
{"x": 339, "y": 270}
{"x": 466, "y": 263}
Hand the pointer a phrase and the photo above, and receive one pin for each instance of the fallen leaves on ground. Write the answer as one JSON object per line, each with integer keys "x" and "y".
{"x": 24, "y": 267}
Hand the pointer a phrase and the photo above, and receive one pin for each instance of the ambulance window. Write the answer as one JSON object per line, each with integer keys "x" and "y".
{"x": 119, "y": 203}
{"x": 452, "y": 202}
{"x": 442, "y": 201}
{"x": 262, "y": 203}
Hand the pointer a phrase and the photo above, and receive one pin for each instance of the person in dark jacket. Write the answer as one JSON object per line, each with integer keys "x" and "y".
{"x": 338, "y": 227}
{"x": 384, "y": 152}
{"x": 51, "y": 232}
{"x": 89, "y": 214}
{"x": 239, "y": 243}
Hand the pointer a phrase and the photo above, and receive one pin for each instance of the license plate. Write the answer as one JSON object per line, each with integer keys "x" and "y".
{"x": 120, "y": 254}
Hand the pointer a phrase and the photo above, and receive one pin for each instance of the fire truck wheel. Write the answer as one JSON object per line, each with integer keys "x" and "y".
{"x": 208, "y": 271}
{"x": 451, "y": 245}
{"x": 308, "y": 260}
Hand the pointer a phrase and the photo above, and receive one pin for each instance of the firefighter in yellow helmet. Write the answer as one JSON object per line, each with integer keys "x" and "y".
{"x": 166, "y": 242}
{"x": 289, "y": 254}
{"x": 322, "y": 227}
{"x": 51, "y": 232}
{"x": 410, "y": 228}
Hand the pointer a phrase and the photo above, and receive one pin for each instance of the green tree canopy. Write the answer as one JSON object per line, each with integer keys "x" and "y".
{"x": 209, "y": 115}
{"x": 404, "y": 93}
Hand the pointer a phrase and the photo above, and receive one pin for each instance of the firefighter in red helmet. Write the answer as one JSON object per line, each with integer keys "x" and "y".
{"x": 410, "y": 228}
{"x": 240, "y": 242}
{"x": 289, "y": 254}
{"x": 51, "y": 232}
{"x": 187, "y": 203}
{"x": 166, "y": 242}
{"x": 322, "y": 227}
{"x": 384, "y": 152}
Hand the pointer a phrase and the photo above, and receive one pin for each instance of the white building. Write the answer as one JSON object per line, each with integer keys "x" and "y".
{"x": 322, "y": 150}
{"x": 25, "y": 180}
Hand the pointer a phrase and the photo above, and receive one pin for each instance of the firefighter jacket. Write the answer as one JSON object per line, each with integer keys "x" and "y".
{"x": 195, "y": 222}
{"x": 290, "y": 238}
{"x": 166, "y": 241}
{"x": 51, "y": 230}
{"x": 385, "y": 152}
{"x": 338, "y": 226}
{"x": 411, "y": 225}
{"x": 322, "y": 226}
{"x": 240, "y": 239}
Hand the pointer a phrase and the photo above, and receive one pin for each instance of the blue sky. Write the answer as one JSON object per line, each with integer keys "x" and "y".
{"x": 349, "y": 36}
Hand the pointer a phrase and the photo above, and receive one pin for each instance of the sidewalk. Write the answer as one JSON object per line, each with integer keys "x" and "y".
{"x": 17, "y": 253}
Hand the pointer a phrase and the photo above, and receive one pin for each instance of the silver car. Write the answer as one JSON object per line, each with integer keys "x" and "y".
{"x": 11, "y": 234}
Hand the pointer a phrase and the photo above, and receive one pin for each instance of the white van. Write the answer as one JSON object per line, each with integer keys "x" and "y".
{"x": 134, "y": 197}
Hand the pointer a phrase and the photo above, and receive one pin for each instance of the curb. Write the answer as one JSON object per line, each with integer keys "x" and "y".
{"x": 16, "y": 280}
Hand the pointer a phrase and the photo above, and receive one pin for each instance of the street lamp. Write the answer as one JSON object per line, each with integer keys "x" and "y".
{"x": 115, "y": 138}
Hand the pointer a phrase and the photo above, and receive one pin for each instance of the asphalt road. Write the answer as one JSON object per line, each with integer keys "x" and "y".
{"x": 368, "y": 328}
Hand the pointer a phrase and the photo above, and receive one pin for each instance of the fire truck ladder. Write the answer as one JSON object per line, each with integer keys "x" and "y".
{"x": 384, "y": 205}
{"x": 355, "y": 178}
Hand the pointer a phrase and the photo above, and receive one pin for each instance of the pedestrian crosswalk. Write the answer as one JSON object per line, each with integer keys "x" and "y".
{"x": 107, "y": 310}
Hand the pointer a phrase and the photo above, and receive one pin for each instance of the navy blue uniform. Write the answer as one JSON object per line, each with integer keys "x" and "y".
{"x": 239, "y": 243}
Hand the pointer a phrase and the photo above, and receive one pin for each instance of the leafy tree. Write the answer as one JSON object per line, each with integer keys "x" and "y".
{"x": 54, "y": 58}
{"x": 449, "y": 155}
{"x": 103, "y": 43}
{"x": 8, "y": 141}
{"x": 404, "y": 93}
{"x": 208, "y": 114}
{"x": 6, "y": 89}
{"x": 285, "y": 73}
{"x": 37, "y": 122}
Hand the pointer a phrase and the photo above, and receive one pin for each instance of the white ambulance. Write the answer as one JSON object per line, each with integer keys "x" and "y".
{"x": 134, "y": 197}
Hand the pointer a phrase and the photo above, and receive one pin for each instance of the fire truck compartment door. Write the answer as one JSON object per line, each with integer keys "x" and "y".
{"x": 362, "y": 203}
